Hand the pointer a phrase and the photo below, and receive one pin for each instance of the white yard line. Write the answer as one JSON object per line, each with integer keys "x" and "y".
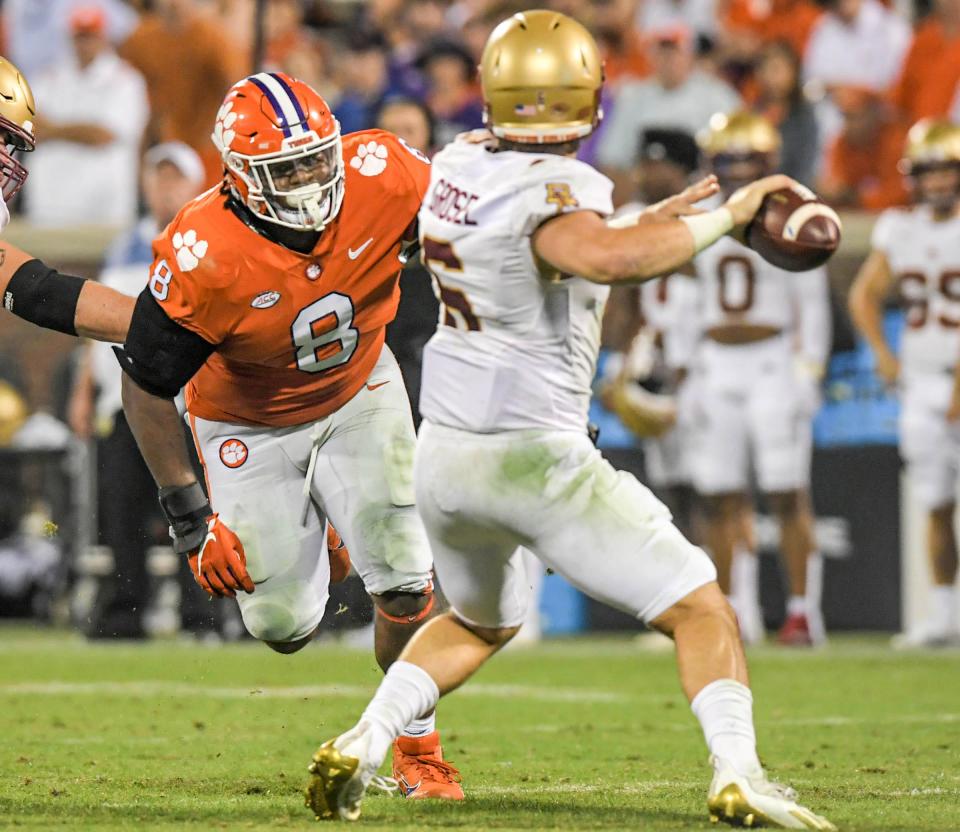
{"x": 161, "y": 688}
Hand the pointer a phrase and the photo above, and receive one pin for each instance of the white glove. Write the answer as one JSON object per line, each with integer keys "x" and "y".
{"x": 4, "y": 215}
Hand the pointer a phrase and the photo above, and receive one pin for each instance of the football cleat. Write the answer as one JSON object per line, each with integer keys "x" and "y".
{"x": 421, "y": 772}
{"x": 926, "y": 637}
{"x": 341, "y": 771}
{"x": 753, "y": 801}
{"x": 795, "y": 632}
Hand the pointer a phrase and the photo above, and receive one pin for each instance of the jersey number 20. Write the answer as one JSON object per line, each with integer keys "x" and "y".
{"x": 323, "y": 333}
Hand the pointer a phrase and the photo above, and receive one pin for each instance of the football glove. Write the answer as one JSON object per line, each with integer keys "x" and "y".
{"x": 214, "y": 552}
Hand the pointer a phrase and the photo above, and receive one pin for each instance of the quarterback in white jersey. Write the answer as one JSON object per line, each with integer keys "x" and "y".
{"x": 766, "y": 338}
{"x": 917, "y": 251}
{"x": 503, "y": 458}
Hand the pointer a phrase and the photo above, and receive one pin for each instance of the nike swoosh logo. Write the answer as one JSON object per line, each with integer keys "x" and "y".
{"x": 354, "y": 253}
{"x": 407, "y": 788}
{"x": 375, "y": 386}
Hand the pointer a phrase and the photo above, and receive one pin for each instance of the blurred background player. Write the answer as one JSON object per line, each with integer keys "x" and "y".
{"x": 173, "y": 174}
{"x": 656, "y": 324}
{"x": 766, "y": 337}
{"x": 917, "y": 251}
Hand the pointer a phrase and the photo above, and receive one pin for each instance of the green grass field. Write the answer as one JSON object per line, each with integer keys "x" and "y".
{"x": 586, "y": 734}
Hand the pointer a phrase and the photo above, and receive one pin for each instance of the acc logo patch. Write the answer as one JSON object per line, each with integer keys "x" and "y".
{"x": 233, "y": 453}
{"x": 265, "y": 300}
{"x": 371, "y": 159}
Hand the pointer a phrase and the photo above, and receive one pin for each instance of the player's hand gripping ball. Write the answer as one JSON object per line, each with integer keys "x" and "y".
{"x": 794, "y": 230}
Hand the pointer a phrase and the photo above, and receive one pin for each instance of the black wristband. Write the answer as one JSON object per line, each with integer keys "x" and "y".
{"x": 44, "y": 297}
{"x": 187, "y": 510}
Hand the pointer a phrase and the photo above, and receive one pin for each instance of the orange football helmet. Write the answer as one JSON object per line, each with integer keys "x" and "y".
{"x": 281, "y": 148}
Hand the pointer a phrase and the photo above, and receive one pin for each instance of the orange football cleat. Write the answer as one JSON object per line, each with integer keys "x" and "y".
{"x": 796, "y": 632}
{"x": 339, "y": 556}
{"x": 421, "y": 772}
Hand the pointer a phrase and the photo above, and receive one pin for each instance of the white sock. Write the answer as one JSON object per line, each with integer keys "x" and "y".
{"x": 796, "y": 605}
{"x": 744, "y": 578}
{"x": 814, "y": 591}
{"x": 406, "y": 692}
{"x": 421, "y": 727}
{"x": 813, "y": 595}
{"x": 943, "y": 608}
{"x": 725, "y": 711}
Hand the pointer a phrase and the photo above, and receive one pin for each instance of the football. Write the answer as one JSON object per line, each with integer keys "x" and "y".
{"x": 794, "y": 230}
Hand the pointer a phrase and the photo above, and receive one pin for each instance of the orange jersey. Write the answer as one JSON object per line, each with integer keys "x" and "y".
{"x": 297, "y": 335}
{"x": 930, "y": 73}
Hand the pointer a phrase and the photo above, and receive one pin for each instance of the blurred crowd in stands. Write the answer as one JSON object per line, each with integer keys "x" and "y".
{"x": 842, "y": 79}
{"x": 128, "y": 90}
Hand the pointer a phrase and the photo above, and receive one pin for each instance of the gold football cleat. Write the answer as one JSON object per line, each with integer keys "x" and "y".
{"x": 753, "y": 801}
{"x": 330, "y": 771}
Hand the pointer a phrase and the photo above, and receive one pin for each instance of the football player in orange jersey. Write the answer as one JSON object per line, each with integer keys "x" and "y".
{"x": 269, "y": 298}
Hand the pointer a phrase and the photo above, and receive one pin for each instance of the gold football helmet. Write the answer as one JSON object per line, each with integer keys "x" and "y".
{"x": 17, "y": 112}
{"x": 738, "y": 134}
{"x": 13, "y": 413}
{"x": 931, "y": 142}
{"x": 541, "y": 74}
{"x": 739, "y": 147}
{"x": 933, "y": 145}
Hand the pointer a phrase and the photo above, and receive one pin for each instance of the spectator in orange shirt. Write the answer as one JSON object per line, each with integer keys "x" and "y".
{"x": 188, "y": 64}
{"x": 748, "y": 26}
{"x": 932, "y": 69}
{"x": 860, "y": 169}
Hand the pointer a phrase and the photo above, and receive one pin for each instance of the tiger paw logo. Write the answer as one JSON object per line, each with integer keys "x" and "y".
{"x": 223, "y": 132}
{"x": 189, "y": 250}
{"x": 233, "y": 453}
{"x": 371, "y": 159}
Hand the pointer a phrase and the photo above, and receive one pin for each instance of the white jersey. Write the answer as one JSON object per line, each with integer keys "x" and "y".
{"x": 670, "y": 306}
{"x": 924, "y": 257}
{"x": 513, "y": 350}
{"x": 670, "y": 309}
{"x": 739, "y": 287}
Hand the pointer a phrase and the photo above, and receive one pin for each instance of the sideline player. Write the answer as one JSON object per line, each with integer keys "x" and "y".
{"x": 766, "y": 336}
{"x": 506, "y": 389}
{"x": 917, "y": 251}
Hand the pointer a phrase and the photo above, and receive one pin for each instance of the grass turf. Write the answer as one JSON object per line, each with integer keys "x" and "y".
{"x": 585, "y": 734}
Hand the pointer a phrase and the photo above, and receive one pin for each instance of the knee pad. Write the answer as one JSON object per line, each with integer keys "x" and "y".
{"x": 280, "y": 617}
{"x": 401, "y": 607}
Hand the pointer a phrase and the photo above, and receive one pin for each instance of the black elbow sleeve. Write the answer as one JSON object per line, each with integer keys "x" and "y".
{"x": 159, "y": 354}
{"x": 44, "y": 297}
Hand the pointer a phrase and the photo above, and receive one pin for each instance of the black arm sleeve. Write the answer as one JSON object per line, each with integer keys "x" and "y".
{"x": 43, "y": 296}
{"x": 160, "y": 355}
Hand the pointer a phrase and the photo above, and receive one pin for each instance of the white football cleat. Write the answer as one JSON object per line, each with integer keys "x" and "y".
{"x": 925, "y": 637}
{"x": 342, "y": 770}
{"x": 752, "y": 800}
